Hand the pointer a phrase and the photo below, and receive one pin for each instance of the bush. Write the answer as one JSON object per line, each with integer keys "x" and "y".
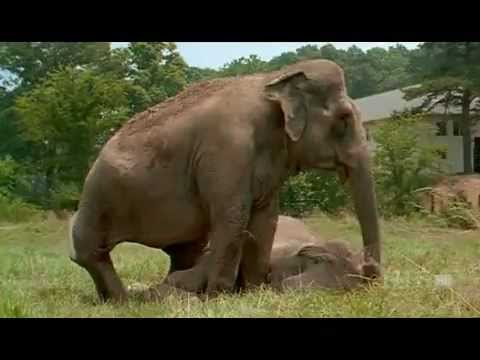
{"x": 64, "y": 196}
{"x": 14, "y": 210}
{"x": 15, "y": 180}
{"x": 8, "y": 181}
{"x": 460, "y": 215}
{"x": 456, "y": 213}
{"x": 312, "y": 191}
{"x": 404, "y": 163}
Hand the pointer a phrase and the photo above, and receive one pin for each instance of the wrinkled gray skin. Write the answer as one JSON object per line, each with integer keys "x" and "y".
{"x": 301, "y": 260}
{"x": 205, "y": 168}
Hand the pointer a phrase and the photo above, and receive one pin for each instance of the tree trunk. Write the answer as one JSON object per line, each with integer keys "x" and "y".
{"x": 466, "y": 133}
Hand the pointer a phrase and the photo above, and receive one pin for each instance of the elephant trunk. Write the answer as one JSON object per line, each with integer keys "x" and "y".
{"x": 363, "y": 192}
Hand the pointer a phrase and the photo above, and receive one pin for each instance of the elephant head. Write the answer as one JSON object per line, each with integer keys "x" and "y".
{"x": 324, "y": 131}
{"x": 330, "y": 266}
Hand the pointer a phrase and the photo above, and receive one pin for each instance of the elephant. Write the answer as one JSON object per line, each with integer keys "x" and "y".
{"x": 206, "y": 167}
{"x": 299, "y": 259}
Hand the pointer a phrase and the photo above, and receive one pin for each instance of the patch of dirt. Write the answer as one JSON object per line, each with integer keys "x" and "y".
{"x": 459, "y": 187}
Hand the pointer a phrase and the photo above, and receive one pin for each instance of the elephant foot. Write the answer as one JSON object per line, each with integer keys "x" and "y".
{"x": 191, "y": 280}
{"x": 373, "y": 272}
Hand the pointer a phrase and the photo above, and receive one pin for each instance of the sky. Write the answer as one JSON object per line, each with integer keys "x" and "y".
{"x": 216, "y": 54}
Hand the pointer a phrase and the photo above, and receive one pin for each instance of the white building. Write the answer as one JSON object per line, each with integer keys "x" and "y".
{"x": 380, "y": 107}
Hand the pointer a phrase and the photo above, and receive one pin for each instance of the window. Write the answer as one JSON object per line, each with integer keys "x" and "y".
{"x": 441, "y": 128}
{"x": 456, "y": 129}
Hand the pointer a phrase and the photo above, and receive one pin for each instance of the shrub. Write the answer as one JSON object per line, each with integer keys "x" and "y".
{"x": 405, "y": 161}
{"x": 310, "y": 191}
{"x": 456, "y": 213}
{"x": 8, "y": 169}
{"x": 460, "y": 215}
{"x": 64, "y": 196}
{"x": 15, "y": 179}
{"x": 14, "y": 210}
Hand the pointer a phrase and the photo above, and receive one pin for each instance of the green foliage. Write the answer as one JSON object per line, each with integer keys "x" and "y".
{"x": 11, "y": 143}
{"x": 8, "y": 169}
{"x": 14, "y": 210}
{"x": 15, "y": 181}
{"x": 65, "y": 196}
{"x": 67, "y": 117}
{"x": 244, "y": 66}
{"x": 404, "y": 161}
{"x": 284, "y": 59}
{"x": 367, "y": 73}
{"x": 60, "y": 102}
{"x": 194, "y": 74}
{"x": 310, "y": 191}
{"x": 30, "y": 62}
{"x": 156, "y": 71}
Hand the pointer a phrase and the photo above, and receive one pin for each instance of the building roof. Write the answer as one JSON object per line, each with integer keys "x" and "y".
{"x": 382, "y": 106}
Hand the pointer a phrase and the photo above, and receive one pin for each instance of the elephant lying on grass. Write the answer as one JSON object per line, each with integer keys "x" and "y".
{"x": 300, "y": 260}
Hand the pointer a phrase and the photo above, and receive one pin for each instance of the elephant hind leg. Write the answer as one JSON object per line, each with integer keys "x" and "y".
{"x": 185, "y": 256}
{"x": 89, "y": 252}
{"x": 107, "y": 281}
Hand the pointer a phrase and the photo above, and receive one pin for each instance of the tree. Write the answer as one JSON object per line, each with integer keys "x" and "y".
{"x": 244, "y": 66}
{"x": 25, "y": 64}
{"x": 68, "y": 116}
{"x": 194, "y": 74}
{"x": 29, "y": 62}
{"x": 284, "y": 59}
{"x": 10, "y": 142}
{"x": 394, "y": 66}
{"x": 449, "y": 74}
{"x": 309, "y": 52}
{"x": 330, "y": 52}
{"x": 156, "y": 70}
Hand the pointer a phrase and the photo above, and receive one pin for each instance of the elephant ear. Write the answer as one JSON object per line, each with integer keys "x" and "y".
{"x": 284, "y": 91}
{"x": 316, "y": 253}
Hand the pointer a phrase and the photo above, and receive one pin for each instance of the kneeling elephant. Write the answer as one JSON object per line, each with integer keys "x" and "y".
{"x": 206, "y": 166}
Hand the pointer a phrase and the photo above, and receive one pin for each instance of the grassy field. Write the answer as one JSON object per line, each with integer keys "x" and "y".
{"x": 38, "y": 280}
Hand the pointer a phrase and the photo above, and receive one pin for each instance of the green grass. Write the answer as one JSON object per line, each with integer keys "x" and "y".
{"x": 38, "y": 280}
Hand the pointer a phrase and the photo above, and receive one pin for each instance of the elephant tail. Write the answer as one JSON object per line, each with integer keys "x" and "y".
{"x": 71, "y": 224}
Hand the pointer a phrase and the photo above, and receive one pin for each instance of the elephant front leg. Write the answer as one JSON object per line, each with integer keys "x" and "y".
{"x": 255, "y": 264}
{"x": 226, "y": 244}
{"x": 216, "y": 269}
{"x": 225, "y": 189}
